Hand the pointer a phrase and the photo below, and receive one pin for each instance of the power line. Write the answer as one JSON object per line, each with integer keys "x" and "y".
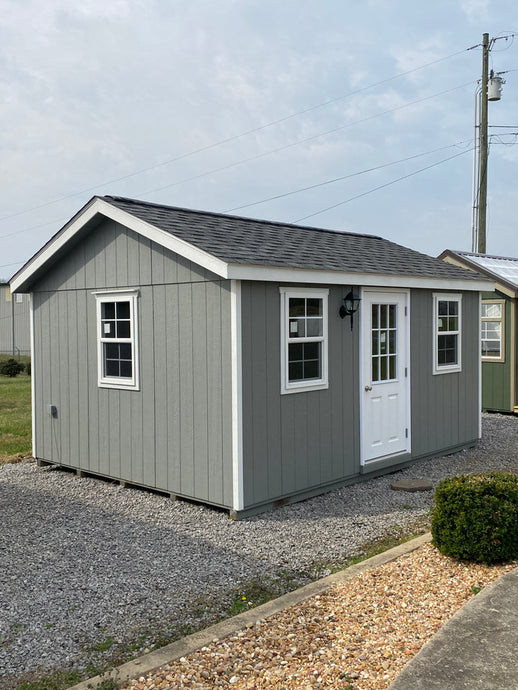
{"x": 16, "y": 263}
{"x": 303, "y": 141}
{"x": 387, "y": 184}
{"x": 270, "y": 152}
{"x": 228, "y": 140}
{"x": 345, "y": 177}
{"x": 35, "y": 227}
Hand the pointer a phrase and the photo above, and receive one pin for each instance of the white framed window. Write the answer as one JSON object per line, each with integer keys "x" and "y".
{"x": 303, "y": 339}
{"x": 492, "y": 330}
{"x": 117, "y": 339}
{"x": 447, "y": 320}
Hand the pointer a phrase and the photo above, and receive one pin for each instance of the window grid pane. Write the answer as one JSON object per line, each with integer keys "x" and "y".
{"x": 447, "y": 349}
{"x": 304, "y": 361}
{"x": 491, "y": 311}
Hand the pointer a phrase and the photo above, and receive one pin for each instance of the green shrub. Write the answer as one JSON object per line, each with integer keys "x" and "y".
{"x": 475, "y": 517}
{"x": 11, "y": 368}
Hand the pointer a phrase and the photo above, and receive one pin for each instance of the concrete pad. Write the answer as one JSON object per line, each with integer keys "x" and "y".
{"x": 476, "y": 649}
{"x": 150, "y": 662}
{"x": 412, "y": 485}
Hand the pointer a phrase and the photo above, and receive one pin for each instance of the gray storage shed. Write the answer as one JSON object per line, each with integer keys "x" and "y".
{"x": 498, "y": 327}
{"x": 15, "y": 337}
{"x": 205, "y": 355}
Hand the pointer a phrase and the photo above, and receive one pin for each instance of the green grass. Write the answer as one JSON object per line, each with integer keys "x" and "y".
{"x": 15, "y": 417}
{"x": 55, "y": 681}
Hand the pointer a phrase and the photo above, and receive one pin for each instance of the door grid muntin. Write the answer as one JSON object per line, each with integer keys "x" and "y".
{"x": 384, "y": 354}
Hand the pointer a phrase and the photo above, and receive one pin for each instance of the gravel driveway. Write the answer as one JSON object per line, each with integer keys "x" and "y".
{"x": 87, "y": 566}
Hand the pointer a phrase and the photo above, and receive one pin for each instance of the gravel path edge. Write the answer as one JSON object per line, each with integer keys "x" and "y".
{"x": 148, "y": 663}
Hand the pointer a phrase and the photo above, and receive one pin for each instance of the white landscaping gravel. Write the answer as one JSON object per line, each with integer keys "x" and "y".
{"x": 82, "y": 559}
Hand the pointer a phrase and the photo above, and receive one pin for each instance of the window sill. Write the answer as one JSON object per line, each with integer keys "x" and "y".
{"x": 304, "y": 388}
{"x": 118, "y": 385}
{"x": 447, "y": 370}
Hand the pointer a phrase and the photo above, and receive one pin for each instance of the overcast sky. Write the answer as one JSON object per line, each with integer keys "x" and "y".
{"x": 148, "y": 99}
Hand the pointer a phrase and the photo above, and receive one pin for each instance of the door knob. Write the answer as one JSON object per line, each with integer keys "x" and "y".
{"x": 368, "y": 388}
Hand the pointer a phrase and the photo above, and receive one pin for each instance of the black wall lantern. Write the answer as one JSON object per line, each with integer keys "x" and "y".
{"x": 350, "y": 306}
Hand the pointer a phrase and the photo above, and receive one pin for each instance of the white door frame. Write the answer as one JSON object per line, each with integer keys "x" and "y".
{"x": 404, "y": 366}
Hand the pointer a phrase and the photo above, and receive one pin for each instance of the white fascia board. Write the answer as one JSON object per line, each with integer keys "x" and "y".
{"x": 151, "y": 232}
{"x": 298, "y": 275}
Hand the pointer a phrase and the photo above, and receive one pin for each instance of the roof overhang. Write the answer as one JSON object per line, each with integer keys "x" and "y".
{"x": 97, "y": 207}
{"x": 499, "y": 283}
{"x": 296, "y": 275}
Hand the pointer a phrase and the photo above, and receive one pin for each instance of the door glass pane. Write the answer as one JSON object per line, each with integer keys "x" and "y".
{"x": 375, "y": 316}
{"x": 392, "y": 342}
{"x": 383, "y": 369}
{"x": 383, "y": 316}
{"x": 375, "y": 343}
{"x": 375, "y": 369}
{"x": 392, "y": 315}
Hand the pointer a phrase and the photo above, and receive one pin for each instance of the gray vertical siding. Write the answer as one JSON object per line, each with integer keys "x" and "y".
{"x": 174, "y": 433}
{"x": 299, "y": 441}
{"x": 15, "y": 335}
{"x": 302, "y": 441}
{"x": 445, "y": 407}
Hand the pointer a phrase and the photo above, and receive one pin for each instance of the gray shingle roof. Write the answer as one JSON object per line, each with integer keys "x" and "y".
{"x": 237, "y": 240}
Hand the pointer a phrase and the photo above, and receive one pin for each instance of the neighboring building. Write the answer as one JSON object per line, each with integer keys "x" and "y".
{"x": 205, "y": 355}
{"x": 15, "y": 338}
{"x": 498, "y": 327}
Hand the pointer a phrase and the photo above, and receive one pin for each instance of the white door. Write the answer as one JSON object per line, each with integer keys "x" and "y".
{"x": 385, "y": 389}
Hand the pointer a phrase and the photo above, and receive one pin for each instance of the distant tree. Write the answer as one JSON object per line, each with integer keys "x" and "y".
{"x": 11, "y": 368}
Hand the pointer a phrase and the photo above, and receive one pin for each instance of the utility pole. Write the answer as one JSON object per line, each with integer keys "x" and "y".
{"x": 482, "y": 200}
{"x": 490, "y": 90}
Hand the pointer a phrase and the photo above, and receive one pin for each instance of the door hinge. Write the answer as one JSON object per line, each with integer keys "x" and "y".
{"x": 406, "y": 432}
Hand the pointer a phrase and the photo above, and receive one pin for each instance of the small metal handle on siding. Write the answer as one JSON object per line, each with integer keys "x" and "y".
{"x": 368, "y": 388}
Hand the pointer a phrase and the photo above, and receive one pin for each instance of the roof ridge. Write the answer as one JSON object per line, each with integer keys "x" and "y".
{"x": 260, "y": 221}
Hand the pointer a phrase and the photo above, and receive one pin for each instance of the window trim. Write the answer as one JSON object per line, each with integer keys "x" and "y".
{"x": 484, "y": 319}
{"x": 310, "y": 384}
{"x": 122, "y": 295}
{"x": 446, "y": 368}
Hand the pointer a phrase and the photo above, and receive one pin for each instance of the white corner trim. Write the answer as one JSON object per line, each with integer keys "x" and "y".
{"x": 237, "y": 396}
{"x": 480, "y": 371}
{"x": 33, "y": 378}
